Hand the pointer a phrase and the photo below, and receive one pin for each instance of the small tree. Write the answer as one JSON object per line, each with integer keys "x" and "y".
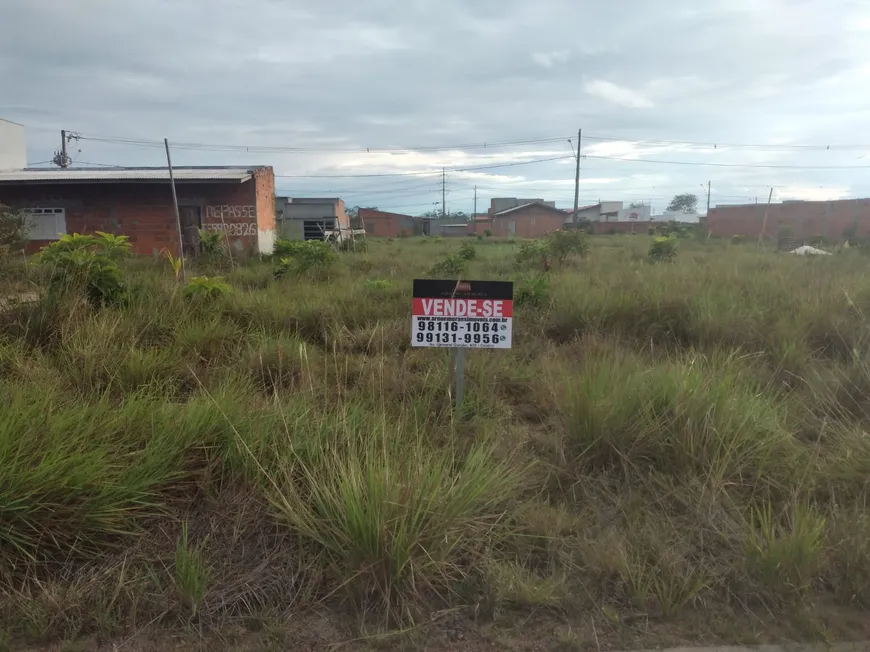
{"x": 13, "y": 230}
{"x": 685, "y": 203}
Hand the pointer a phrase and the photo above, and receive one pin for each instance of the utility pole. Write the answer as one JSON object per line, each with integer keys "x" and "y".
{"x": 474, "y": 214}
{"x": 60, "y": 158}
{"x": 577, "y": 179}
{"x": 708, "y": 196}
{"x": 64, "y": 160}
{"x": 443, "y": 193}
{"x": 177, "y": 215}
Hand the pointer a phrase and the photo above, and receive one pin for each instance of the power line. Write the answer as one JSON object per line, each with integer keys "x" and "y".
{"x": 715, "y": 145}
{"x": 731, "y": 165}
{"x": 139, "y": 142}
{"x": 431, "y": 172}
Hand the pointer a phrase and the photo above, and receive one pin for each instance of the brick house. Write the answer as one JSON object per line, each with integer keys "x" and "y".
{"x": 137, "y": 202}
{"x": 382, "y": 224}
{"x": 802, "y": 219}
{"x": 531, "y": 220}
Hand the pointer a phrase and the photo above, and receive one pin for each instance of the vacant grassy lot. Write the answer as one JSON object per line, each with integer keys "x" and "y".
{"x": 670, "y": 452}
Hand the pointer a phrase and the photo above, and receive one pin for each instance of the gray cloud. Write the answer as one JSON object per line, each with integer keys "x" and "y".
{"x": 376, "y": 74}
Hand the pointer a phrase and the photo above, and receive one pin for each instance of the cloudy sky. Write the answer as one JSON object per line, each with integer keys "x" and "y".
{"x": 369, "y": 99}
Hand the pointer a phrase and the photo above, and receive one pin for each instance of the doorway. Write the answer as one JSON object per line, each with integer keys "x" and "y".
{"x": 190, "y": 218}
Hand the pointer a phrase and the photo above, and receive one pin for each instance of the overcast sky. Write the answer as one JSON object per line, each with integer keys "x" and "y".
{"x": 648, "y": 81}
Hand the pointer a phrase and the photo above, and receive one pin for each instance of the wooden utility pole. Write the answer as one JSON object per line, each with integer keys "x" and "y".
{"x": 177, "y": 215}
{"x": 577, "y": 179}
{"x": 764, "y": 221}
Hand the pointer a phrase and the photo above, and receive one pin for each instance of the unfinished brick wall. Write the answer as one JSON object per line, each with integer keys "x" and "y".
{"x": 803, "y": 219}
{"x": 144, "y": 212}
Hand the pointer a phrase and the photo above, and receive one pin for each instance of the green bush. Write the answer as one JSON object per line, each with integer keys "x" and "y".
{"x": 534, "y": 291}
{"x": 564, "y": 244}
{"x": 451, "y": 266}
{"x": 301, "y": 256}
{"x": 487, "y": 233}
{"x": 534, "y": 253}
{"x": 467, "y": 251}
{"x": 211, "y": 242}
{"x": 737, "y": 239}
{"x": 663, "y": 249}
{"x": 204, "y": 288}
{"x": 13, "y": 231}
{"x": 88, "y": 264}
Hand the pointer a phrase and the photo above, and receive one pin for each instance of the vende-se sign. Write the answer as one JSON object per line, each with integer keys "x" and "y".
{"x": 462, "y": 314}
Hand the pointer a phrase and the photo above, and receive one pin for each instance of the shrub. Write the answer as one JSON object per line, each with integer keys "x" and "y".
{"x": 13, "y": 230}
{"x": 651, "y": 230}
{"x": 663, "y": 249}
{"x": 467, "y": 251}
{"x": 204, "y": 288}
{"x": 564, "y": 244}
{"x": 87, "y": 263}
{"x": 534, "y": 253}
{"x": 210, "y": 242}
{"x": 453, "y": 266}
{"x": 301, "y": 256}
{"x": 534, "y": 291}
{"x": 737, "y": 239}
{"x": 487, "y": 233}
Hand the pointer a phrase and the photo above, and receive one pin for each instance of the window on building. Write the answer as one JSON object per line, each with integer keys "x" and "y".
{"x": 45, "y": 223}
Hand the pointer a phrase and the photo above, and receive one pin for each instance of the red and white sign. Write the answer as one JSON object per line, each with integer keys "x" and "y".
{"x": 468, "y": 314}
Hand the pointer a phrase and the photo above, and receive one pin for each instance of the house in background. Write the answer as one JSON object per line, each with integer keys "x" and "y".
{"x": 499, "y": 204}
{"x": 13, "y": 146}
{"x": 603, "y": 211}
{"x": 531, "y": 220}
{"x": 382, "y": 224}
{"x": 137, "y": 202}
{"x": 444, "y": 227}
{"x": 799, "y": 219}
{"x": 309, "y": 218}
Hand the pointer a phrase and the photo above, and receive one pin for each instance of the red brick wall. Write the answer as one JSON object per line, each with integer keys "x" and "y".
{"x": 804, "y": 219}
{"x": 604, "y": 228}
{"x": 264, "y": 185}
{"x": 144, "y": 211}
{"x": 382, "y": 224}
{"x": 531, "y": 222}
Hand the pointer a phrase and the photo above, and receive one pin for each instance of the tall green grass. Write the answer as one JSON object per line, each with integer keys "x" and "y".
{"x": 661, "y": 439}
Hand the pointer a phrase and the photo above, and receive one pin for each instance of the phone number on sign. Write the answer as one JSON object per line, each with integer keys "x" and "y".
{"x": 458, "y": 331}
{"x": 234, "y": 228}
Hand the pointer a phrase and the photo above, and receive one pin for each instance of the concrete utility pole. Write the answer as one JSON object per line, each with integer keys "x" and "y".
{"x": 474, "y": 214}
{"x": 443, "y": 193}
{"x": 177, "y": 215}
{"x": 577, "y": 179}
{"x": 64, "y": 160}
{"x": 709, "y": 185}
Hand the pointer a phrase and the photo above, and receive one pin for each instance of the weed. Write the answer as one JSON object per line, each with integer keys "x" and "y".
{"x": 467, "y": 251}
{"x": 564, "y": 244}
{"x": 663, "y": 249}
{"x": 190, "y": 574}
{"x": 453, "y": 266}
{"x": 534, "y": 291}
{"x": 204, "y": 288}
{"x": 783, "y": 557}
{"x": 88, "y": 264}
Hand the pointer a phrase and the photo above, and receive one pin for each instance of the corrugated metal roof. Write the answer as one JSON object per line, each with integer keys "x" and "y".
{"x": 36, "y": 175}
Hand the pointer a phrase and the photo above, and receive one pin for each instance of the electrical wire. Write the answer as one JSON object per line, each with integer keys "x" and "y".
{"x": 731, "y": 165}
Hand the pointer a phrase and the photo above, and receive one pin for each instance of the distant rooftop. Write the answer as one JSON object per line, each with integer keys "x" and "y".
{"x": 78, "y": 175}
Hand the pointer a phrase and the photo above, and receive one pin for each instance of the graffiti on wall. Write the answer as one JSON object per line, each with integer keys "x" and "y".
{"x": 218, "y": 219}
{"x": 233, "y": 228}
